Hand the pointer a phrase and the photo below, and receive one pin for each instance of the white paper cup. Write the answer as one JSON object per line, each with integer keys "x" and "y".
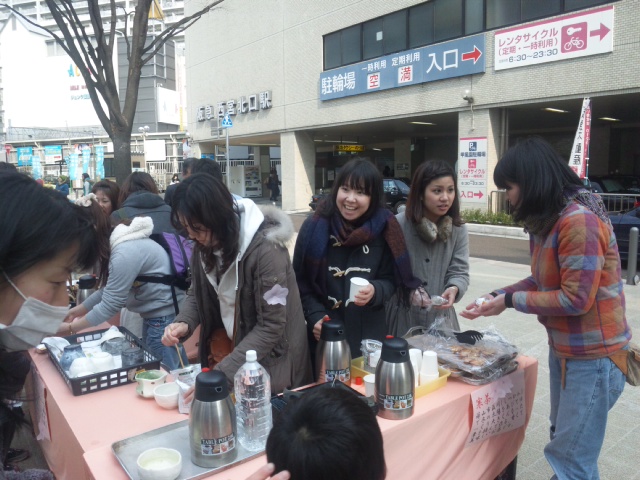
{"x": 369, "y": 385}
{"x": 357, "y": 283}
{"x": 102, "y": 361}
{"x": 429, "y": 367}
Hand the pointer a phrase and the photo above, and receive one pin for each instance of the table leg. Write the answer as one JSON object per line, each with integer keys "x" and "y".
{"x": 509, "y": 473}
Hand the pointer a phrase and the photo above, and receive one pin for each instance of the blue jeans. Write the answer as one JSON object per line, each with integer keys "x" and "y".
{"x": 152, "y": 331}
{"x": 579, "y": 414}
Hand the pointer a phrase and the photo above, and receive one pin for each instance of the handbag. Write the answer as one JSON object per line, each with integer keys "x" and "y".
{"x": 220, "y": 345}
{"x": 401, "y": 316}
{"x": 628, "y": 361}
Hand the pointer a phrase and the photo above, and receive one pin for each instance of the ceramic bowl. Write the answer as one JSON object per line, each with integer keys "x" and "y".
{"x": 148, "y": 380}
{"x": 102, "y": 362}
{"x": 82, "y": 364}
{"x": 159, "y": 464}
{"x": 167, "y": 395}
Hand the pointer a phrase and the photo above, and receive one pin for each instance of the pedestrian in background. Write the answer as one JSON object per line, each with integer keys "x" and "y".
{"x": 186, "y": 171}
{"x": 576, "y": 290}
{"x": 86, "y": 184}
{"x": 63, "y": 186}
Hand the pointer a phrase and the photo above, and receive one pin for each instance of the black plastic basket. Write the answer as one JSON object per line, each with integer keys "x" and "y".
{"x": 110, "y": 378}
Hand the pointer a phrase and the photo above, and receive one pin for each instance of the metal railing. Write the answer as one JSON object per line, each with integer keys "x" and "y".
{"x": 617, "y": 202}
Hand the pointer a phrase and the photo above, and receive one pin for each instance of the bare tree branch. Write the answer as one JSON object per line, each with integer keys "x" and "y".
{"x": 178, "y": 27}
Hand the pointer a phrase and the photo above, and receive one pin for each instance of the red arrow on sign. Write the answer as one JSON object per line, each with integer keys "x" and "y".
{"x": 602, "y": 32}
{"x": 475, "y": 55}
{"x": 479, "y": 195}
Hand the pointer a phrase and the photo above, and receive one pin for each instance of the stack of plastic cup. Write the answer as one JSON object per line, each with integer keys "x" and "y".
{"x": 415, "y": 354}
{"x": 429, "y": 367}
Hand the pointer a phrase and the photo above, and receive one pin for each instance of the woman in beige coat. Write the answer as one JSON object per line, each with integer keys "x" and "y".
{"x": 243, "y": 289}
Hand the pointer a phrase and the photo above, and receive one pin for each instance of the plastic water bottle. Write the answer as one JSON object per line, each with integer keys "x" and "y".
{"x": 252, "y": 388}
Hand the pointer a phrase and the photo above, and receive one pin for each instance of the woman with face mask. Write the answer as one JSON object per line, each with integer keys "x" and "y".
{"x": 44, "y": 238}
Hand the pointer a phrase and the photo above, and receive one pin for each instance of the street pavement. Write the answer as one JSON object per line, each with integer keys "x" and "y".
{"x": 618, "y": 459}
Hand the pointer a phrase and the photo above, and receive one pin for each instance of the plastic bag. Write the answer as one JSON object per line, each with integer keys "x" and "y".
{"x": 483, "y": 362}
{"x": 185, "y": 378}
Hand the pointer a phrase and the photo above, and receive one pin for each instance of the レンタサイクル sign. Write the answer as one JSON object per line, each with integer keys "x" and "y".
{"x": 570, "y": 36}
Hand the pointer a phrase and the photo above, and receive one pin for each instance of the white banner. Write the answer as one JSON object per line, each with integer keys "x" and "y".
{"x": 569, "y": 36}
{"x": 579, "y": 159}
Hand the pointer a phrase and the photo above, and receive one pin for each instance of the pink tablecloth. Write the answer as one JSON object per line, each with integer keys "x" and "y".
{"x": 430, "y": 444}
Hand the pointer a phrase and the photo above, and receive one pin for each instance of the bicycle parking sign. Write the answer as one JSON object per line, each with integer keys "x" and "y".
{"x": 570, "y": 36}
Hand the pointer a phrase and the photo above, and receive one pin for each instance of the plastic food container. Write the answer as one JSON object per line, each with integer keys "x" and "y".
{"x": 357, "y": 370}
{"x": 111, "y": 378}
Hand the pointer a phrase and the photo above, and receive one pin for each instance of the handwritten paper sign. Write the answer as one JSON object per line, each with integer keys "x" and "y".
{"x": 498, "y": 407}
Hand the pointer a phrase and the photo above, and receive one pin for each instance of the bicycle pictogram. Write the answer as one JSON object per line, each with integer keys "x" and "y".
{"x": 573, "y": 42}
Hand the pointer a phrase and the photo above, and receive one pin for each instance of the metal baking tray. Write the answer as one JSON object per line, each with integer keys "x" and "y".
{"x": 174, "y": 436}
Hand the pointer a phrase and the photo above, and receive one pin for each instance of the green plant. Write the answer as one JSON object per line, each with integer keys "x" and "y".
{"x": 479, "y": 216}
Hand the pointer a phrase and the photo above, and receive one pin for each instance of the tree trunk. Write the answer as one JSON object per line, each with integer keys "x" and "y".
{"x": 121, "y": 155}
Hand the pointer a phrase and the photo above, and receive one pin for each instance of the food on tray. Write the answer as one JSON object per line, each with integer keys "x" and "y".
{"x": 487, "y": 360}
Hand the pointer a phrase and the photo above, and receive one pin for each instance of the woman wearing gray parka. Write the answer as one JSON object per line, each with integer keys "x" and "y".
{"x": 243, "y": 286}
{"x": 438, "y": 243}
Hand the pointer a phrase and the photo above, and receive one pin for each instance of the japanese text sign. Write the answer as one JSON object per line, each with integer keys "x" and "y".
{"x": 25, "y": 155}
{"x": 579, "y": 158}
{"x": 472, "y": 169}
{"x": 569, "y": 36}
{"x": 464, "y": 56}
{"x": 498, "y": 407}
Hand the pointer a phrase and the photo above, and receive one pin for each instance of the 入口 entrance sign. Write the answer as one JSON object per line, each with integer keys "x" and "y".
{"x": 570, "y": 36}
{"x": 455, "y": 58}
{"x": 472, "y": 170}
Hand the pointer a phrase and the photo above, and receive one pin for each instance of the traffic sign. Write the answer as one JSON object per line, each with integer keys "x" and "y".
{"x": 226, "y": 122}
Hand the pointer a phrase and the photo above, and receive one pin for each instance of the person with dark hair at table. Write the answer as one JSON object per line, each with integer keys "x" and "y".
{"x": 576, "y": 291}
{"x": 329, "y": 434}
{"x": 139, "y": 197}
{"x": 186, "y": 171}
{"x": 37, "y": 256}
{"x": 243, "y": 293}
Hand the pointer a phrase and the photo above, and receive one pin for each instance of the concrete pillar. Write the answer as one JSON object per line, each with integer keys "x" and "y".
{"x": 481, "y": 123}
{"x": 298, "y": 159}
{"x": 402, "y": 157}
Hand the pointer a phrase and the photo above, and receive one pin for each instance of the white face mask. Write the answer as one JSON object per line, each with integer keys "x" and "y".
{"x": 35, "y": 320}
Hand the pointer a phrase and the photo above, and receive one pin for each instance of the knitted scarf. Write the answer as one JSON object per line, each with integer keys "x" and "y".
{"x": 582, "y": 196}
{"x": 316, "y": 243}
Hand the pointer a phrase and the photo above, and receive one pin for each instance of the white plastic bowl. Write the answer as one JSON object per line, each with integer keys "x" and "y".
{"x": 166, "y": 395}
{"x": 159, "y": 464}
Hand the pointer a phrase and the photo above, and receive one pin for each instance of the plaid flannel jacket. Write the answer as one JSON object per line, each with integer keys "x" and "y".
{"x": 575, "y": 286}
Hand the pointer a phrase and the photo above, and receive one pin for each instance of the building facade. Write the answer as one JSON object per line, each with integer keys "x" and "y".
{"x": 405, "y": 81}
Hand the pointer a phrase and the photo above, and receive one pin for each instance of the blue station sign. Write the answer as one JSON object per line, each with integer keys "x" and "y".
{"x": 457, "y": 58}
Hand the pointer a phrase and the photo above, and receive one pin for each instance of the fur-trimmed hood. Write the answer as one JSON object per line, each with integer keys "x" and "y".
{"x": 278, "y": 228}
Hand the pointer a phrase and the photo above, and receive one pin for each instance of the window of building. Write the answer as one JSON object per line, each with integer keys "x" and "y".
{"x": 421, "y": 25}
{"x": 372, "y": 39}
{"x": 436, "y": 21}
{"x": 540, "y": 8}
{"x": 394, "y": 30}
{"x": 448, "y": 20}
{"x": 576, "y": 4}
{"x": 351, "y": 46}
{"x": 473, "y": 16}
